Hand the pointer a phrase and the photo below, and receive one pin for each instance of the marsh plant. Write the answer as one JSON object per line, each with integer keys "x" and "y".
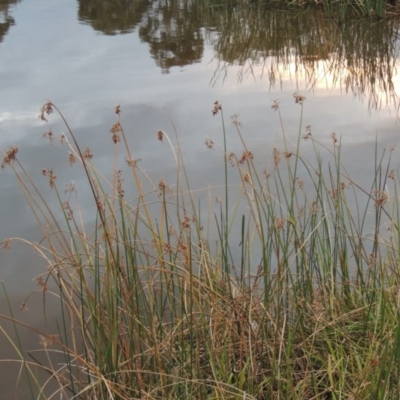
{"x": 157, "y": 301}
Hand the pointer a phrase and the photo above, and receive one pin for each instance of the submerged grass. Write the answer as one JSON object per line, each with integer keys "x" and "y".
{"x": 306, "y": 307}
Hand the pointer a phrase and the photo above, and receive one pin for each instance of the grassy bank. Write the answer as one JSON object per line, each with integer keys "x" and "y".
{"x": 285, "y": 288}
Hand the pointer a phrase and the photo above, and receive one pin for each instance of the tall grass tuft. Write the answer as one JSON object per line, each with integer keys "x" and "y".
{"x": 306, "y": 307}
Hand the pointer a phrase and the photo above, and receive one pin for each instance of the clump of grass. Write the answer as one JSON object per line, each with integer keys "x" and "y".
{"x": 151, "y": 309}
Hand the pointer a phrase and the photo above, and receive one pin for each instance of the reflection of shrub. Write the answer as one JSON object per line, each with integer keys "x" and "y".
{"x": 6, "y": 20}
{"x": 357, "y": 56}
{"x": 112, "y": 17}
{"x": 283, "y": 293}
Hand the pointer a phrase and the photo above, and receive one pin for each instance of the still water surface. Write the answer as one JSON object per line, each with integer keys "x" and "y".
{"x": 163, "y": 61}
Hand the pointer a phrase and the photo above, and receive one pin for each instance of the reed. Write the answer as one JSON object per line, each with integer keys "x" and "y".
{"x": 306, "y": 307}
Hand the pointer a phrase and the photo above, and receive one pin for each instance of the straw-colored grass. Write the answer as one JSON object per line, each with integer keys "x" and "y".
{"x": 305, "y": 308}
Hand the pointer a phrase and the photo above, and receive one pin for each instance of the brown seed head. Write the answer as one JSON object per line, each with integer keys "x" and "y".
{"x": 71, "y": 159}
{"x": 49, "y": 135}
{"x": 275, "y": 105}
{"x": 235, "y": 121}
{"x": 298, "y": 98}
{"x": 10, "y": 156}
{"x": 217, "y": 108}
{"x": 232, "y": 158}
{"x": 308, "y": 134}
{"x": 279, "y": 222}
{"x": 186, "y": 223}
{"x": 69, "y": 188}
{"x": 118, "y": 109}
{"x": 247, "y": 155}
{"x": 50, "y": 174}
{"x": 46, "y": 110}
{"x": 277, "y": 156}
{"x": 209, "y": 143}
{"x": 300, "y": 183}
{"x": 381, "y": 197}
{"x": 116, "y": 129}
{"x": 87, "y": 154}
{"x": 247, "y": 178}
{"x": 118, "y": 177}
{"x": 160, "y": 135}
{"x": 132, "y": 162}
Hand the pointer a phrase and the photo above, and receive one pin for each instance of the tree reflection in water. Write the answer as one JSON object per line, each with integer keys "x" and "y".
{"x": 359, "y": 56}
{"x": 6, "y": 20}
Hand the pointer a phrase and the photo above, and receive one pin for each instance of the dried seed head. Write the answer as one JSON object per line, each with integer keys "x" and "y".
{"x": 217, "y": 108}
{"x": 99, "y": 204}
{"x": 279, "y": 222}
{"x": 118, "y": 177}
{"x": 10, "y": 156}
{"x": 209, "y": 143}
{"x": 334, "y": 137}
{"x": 87, "y": 154}
{"x": 116, "y": 129}
{"x": 247, "y": 155}
{"x": 300, "y": 183}
{"x": 52, "y": 177}
{"x": 46, "y": 110}
{"x": 235, "y": 121}
{"x": 314, "y": 207}
{"x": 288, "y": 154}
{"x": 371, "y": 260}
{"x": 308, "y": 134}
{"x": 298, "y": 98}
{"x": 132, "y": 162}
{"x": 231, "y": 159}
{"x": 118, "y": 109}
{"x": 69, "y": 188}
{"x": 6, "y": 244}
{"x": 68, "y": 210}
{"x": 277, "y": 156}
{"x": 71, "y": 159}
{"x": 186, "y": 223}
{"x": 49, "y": 135}
{"x": 381, "y": 197}
{"x": 391, "y": 174}
{"x": 48, "y": 341}
{"x": 167, "y": 247}
{"x": 162, "y": 187}
{"x": 247, "y": 178}
{"x": 275, "y": 105}
{"x": 160, "y": 135}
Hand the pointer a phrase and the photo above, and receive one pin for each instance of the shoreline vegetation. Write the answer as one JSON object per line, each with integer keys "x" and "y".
{"x": 358, "y": 54}
{"x": 161, "y": 301}
{"x": 338, "y": 9}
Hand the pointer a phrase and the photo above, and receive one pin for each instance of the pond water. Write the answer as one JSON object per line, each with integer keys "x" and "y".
{"x": 167, "y": 61}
